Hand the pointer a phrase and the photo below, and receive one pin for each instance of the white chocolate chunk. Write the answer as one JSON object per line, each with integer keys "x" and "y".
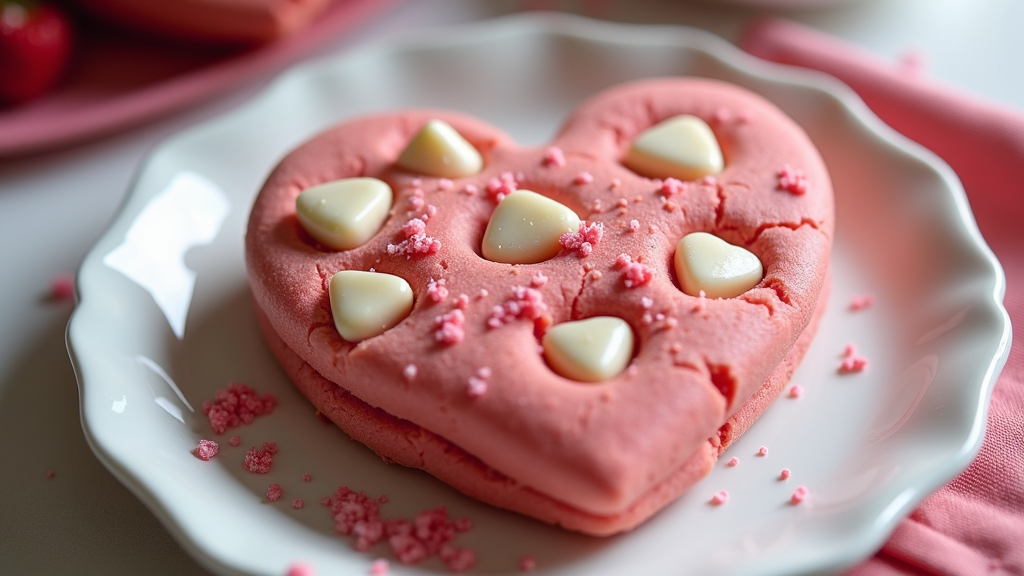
{"x": 438, "y": 150}
{"x": 344, "y": 214}
{"x": 365, "y": 304}
{"x": 682, "y": 147}
{"x": 722, "y": 270}
{"x": 525, "y": 227}
{"x": 589, "y": 350}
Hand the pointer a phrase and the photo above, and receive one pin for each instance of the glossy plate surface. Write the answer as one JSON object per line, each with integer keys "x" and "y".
{"x": 165, "y": 319}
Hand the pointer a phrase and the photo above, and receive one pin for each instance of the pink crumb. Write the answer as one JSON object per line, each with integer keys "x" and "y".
{"x": 410, "y": 372}
{"x": 583, "y": 178}
{"x": 298, "y": 503}
{"x": 307, "y": 478}
{"x": 623, "y": 203}
{"x": 634, "y": 225}
{"x": 538, "y": 280}
{"x": 762, "y": 451}
{"x": 553, "y": 156}
{"x": 236, "y": 405}
{"x": 450, "y": 327}
{"x": 670, "y": 187}
{"x": 634, "y": 274}
{"x": 300, "y": 569}
{"x": 235, "y": 441}
{"x": 462, "y": 302}
{"x": 325, "y": 501}
{"x": 477, "y": 387}
{"x": 444, "y": 184}
{"x": 379, "y": 567}
{"x": 799, "y": 495}
{"x": 498, "y": 188}
{"x": 206, "y": 449}
{"x": 852, "y": 362}
{"x": 470, "y": 189}
{"x": 785, "y": 474}
{"x": 616, "y": 182}
{"x": 796, "y": 391}
{"x": 527, "y": 564}
{"x": 274, "y": 492}
{"x": 62, "y": 286}
{"x": 436, "y": 290}
{"x": 792, "y": 180}
{"x": 259, "y": 461}
{"x": 524, "y": 303}
{"x": 416, "y": 242}
{"x": 583, "y": 241}
{"x": 734, "y": 461}
{"x": 861, "y": 302}
{"x": 720, "y": 497}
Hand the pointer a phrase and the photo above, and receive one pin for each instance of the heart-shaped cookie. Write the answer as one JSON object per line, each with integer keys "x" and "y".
{"x": 462, "y": 385}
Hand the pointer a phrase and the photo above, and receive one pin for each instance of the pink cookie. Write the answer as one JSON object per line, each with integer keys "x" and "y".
{"x": 483, "y": 411}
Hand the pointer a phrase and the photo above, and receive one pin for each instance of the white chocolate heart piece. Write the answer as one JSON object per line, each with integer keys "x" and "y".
{"x": 706, "y": 262}
{"x": 682, "y": 147}
{"x": 365, "y": 304}
{"x": 589, "y": 350}
{"x": 344, "y": 214}
{"x": 525, "y": 228}
{"x": 438, "y": 150}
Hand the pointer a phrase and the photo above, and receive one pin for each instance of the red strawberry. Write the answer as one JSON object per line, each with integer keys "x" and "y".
{"x": 35, "y": 47}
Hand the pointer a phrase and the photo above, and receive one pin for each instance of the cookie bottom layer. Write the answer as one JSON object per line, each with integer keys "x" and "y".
{"x": 399, "y": 441}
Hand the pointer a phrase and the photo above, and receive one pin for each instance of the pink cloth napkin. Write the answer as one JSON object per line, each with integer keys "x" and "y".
{"x": 974, "y": 524}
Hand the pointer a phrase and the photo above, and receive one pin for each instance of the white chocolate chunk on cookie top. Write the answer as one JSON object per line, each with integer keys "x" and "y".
{"x": 590, "y": 350}
{"x": 525, "y": 228}
{"x": 439, "y": 150}
{"x": 707, "y": 263}
{"x": 682, "y": 147}
{"x": 365, "y": 304}
{"x": 344, "y": 214}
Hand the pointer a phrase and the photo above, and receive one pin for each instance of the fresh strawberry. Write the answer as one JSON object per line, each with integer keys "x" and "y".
{"x": 35, "y": 48}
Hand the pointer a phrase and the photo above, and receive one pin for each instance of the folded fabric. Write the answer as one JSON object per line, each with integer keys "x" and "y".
{"x": 974, "y": 524}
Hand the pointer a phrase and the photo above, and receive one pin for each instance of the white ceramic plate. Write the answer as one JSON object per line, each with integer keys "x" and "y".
{"x": 165, "y": 319}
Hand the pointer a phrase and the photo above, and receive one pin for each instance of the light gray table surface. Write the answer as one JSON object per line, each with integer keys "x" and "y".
{"x": 54, "y": 206}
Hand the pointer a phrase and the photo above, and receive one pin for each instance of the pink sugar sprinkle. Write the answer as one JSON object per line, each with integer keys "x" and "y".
{"x": 416, "y": 242}
{"x": 723, "y": 115}
{"x": 477, "y": 387}
{"x": 410, "y": 372}
{"x": 236, "y": 405}
{"x": 300, "y": 569}
{"x": 671, "y": 322}
{"x": 416, "y": 202}
{"x": 538, "y": 280}
{"x": 483, "y": 293}
{"x": 274, "y": 492}
{"x": 417, "y": 182}
{"x": 50, "y": 474}
{"x": 622, "y": 202}
{"x": 584, "y": 240}
{"x": 235, "y": 441}
{"x": 62, "y": 286}
{"x": 853, "y": 364}
{"x": 457, "y": 559}
{"x": 450, "y": 327}
{"x": 524, "y": 303}
{"x": 861, "y": 302}
{"x": 298, "y": 504}
{"x": 444, "y": 184}
{"x": 792, "y": 180}
{"x": 646, "y": 303}
{"x": 616, "y": 182}
{"x": 307, "y": 478}
{"x": 553, "y": 156}
{"x": 670, "y": 187}
{"x": 498, "y": 188}
{"x": 583, "y": 178}
{"x": 647, "y": 319}
{"x": 325, "y": 501}
{"x": 206, "y": 449}
{"x": 634, "y": 274}
{"x": 436, "y": 290}
{"x": 484, "y": 372}
{"x": 796, "y": 391}
{"x": 762, "y": 451}
{"x": 785, "y": 474}
{"x": 470, "y": 189}
{"x": 527, "y": 564}
{"x": 720, "y": 497}
{"x": 734, "y": 461}
{"x": 260, "y": 461}
{"x": 462, "y": 302}
{"x": 634, "y": 225}
{"x": 799, "y": 495}
{"x": 379, "y": 567}
{"x": 431, "y": 211}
